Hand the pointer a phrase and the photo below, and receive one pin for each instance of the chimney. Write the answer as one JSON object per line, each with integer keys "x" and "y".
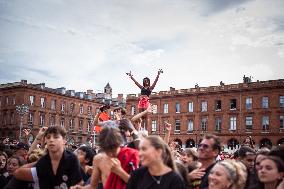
{"x": 90, "y": 91}
{"x": 172, "y": 89}
{"x": 24, "y": 82}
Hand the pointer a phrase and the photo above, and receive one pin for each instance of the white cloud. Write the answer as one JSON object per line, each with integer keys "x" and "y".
{"x": 85, "y": 44}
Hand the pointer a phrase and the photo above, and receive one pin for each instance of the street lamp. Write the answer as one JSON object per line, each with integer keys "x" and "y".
{"x": 21, "y": 110}
{"x": 91, "y": 117}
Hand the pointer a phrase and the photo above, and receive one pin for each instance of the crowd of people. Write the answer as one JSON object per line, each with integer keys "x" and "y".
{"x": 127, "y": 158}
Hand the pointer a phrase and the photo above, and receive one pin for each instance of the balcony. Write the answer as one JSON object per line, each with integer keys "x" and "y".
{"x": 189, "y": 131}
{"x": 217, "y": 131}
{"x": 265, "y": 131}
{"x": 177, "y": 132}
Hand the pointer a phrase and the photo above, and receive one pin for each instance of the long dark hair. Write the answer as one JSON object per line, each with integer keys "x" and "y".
{"x": 158, "y": 143}
{"x": 146, "y": 79}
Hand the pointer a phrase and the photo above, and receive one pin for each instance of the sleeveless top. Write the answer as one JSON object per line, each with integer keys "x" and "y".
{"x": 145, "y": 91}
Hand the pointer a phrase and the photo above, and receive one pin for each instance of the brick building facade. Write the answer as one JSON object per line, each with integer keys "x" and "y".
{"x": 47, "y": 106}
{"x": 231, "y": 111}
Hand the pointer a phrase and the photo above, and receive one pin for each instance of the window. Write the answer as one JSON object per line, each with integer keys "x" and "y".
{"x": 218, "y": 105}
{"x": 62, "y": 122}
{"x": 265, "y": 102}
{"x": 80, "y": 125}
{"x": 154, "y": 108}
{"x": 281, "y": 122}
{"x": 52, "y": 120}
{"x": 14, "y": 100}
{"x": 166, "y": 108}
{"x": 81, "y": 109}
{"x": 233, "y": 123}
{"x": 7, "y": 100}
{"x": 71, "y": 125}
{"x": 249, "y": 122}
{"x": 89, "y": 126}
{"x": 190, "y": 107}
{"x": 63, "y": 107}
{"x": 42, "y": 102}
{"x": 190, "y": 126}
{"x": 177, "y": 126}
{"x": 53, "y": 104}
{"x": 5, "y": 118}
{"x": 154, "y": 125}
{"x": 41, "y": 119}
{"x": 89, "y": 110}
{"x": 204, "y": 124}
{"x": 233, "y": 104}
{"x": 177, "y": 107}
{"x": 72, "y": 107}
{"x": 132, "y": 110}
{"x": 32, "y": 100}
{"x": 265, "y": 123}
{"x": 12, "y": 117}
{"x": 248, "y": 103}
{"x": 203, "y": 106}
{"x": 31, "y": 119}
{"x": 281, "y": 101}
{"x": 218, "y": 124}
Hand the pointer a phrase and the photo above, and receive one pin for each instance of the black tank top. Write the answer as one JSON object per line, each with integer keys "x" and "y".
{"x": 145, "y": 91}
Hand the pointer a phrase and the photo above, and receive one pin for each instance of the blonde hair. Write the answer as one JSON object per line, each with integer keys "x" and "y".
{"x": 35, "y": 155}
{"x": 237, "y": 173}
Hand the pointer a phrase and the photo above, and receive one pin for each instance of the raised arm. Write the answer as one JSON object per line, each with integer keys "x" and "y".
{"x": 156, "y": 80}
{"x": 96, "y": 118}
{"x": 38, "y": 139}
{"x": 141, "y": 114}
{"x": 168, "y": 127}
{"x": 136, "y": 82}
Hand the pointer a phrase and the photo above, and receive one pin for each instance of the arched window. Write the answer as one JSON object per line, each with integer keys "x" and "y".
{"x": 232, "y": 143}
{"x": 281, "y": 141}
{"x": 265, "y": 142}
{"x": 190, "y": 143}
{"x": 178, "y": 141}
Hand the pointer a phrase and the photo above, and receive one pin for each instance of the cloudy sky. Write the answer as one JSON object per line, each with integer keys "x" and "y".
{"x": 83, "y": 44}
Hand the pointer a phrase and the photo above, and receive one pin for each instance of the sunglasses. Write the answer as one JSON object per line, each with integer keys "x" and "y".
{"x": 204, "y": 146}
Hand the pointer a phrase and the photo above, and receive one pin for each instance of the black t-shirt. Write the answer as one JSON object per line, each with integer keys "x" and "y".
{"x": 85, "y": 176}
{"x": 204, "y": 180}
{"x": 68, "y": 172}
{"x": 141, "y": 179}
{"x": 15, "y": 184}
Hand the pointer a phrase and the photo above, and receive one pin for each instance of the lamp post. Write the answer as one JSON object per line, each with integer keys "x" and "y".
{"x": 91, "y": 117}
{"x": 21, "y": 110}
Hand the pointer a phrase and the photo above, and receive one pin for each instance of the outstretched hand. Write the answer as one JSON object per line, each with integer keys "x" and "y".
{"x": 160, "y": 71}
{"x": 41, "y": 133}
{"x": 129, "y": 74}
{"x": 168, "y": 126}
{"x": 27, "y": 132}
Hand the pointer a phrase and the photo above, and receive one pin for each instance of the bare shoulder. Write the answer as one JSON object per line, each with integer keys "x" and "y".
{"x": 99, "y": 157}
